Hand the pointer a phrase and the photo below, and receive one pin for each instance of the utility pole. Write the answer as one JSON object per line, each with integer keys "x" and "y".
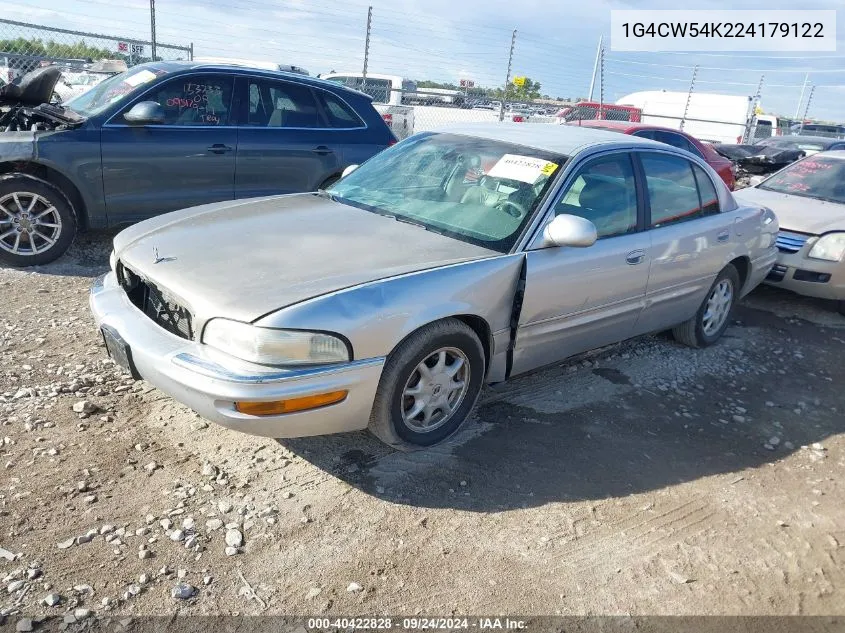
{"x": 601, "y": 83}
{"x": 689, "y": 95}
{"x": 751, "y": 125}
{"x": 367, "y": 48}
{"x": 153, "y": 29}
{"x": 801, "y": 98}
{"x": 507, "y": 78}
{"x": 595, "y": 68}
{"x": 806, "y": 110}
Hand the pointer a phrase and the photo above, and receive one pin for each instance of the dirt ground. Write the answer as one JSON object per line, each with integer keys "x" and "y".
{"x": 646, "y": 479}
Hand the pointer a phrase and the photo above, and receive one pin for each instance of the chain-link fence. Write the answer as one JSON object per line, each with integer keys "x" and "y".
{"x": 25, "y": 46}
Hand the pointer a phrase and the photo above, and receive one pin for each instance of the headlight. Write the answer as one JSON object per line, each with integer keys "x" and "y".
{"x": 830, "y": 247}
{"x": 266, "y": 346}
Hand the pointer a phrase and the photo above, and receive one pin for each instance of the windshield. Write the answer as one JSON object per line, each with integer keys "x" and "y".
{"x": 113, "y": 90}
{"x": 477, "y": 190}
{"x": 820, "y": 177}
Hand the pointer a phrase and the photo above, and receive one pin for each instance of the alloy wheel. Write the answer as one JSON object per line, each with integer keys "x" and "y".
{"x": 29, "y": 223}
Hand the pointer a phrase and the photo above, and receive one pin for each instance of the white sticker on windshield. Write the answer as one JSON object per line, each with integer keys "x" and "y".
{"x": 141, "y": 77}
{"x": 522, "y": 168}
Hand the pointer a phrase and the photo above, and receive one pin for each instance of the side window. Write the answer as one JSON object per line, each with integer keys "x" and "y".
{"x": 706, "y": 191}
{"x": 198, "y": 100}
{"x": 281, "y": 104}
{"x": 604, "y": 192}
{"x": 339, "y": 114}
{"x": 672, "y": 190}
{"x": 675, "y": 140}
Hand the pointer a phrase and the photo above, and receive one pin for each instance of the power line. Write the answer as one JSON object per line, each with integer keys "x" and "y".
{"x": 734, "y": 70}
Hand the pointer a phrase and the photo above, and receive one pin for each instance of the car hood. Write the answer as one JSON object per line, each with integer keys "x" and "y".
{"x": 798, "y": 213}
{"x": 245, "y": 259}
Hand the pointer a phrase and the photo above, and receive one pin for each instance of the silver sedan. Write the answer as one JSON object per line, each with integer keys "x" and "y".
{"x": 450, "y": 260}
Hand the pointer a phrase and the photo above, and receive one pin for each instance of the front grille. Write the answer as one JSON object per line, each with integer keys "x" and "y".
{"x": 777, "y": 273}
{"x": 150, "y": 300}
{"x": 790, "y": 242}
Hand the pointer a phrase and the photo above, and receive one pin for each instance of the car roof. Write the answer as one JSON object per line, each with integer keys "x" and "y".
{"x": 560, "y": 139}
{"x": 240, "y": 69}
{"x": 626, "y": 126}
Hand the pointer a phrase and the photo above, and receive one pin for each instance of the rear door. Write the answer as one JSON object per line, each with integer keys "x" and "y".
{"x": 577, "y": 299}
{"x": 285, "y": 144}
{"x": 691, "y": 240}
{"x": 188, "y": 160}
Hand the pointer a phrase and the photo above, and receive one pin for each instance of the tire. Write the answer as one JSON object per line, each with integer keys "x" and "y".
{"x": 22, "y": 242}
{"x": 457, "y": 341}
{"x": 696, "y": 332}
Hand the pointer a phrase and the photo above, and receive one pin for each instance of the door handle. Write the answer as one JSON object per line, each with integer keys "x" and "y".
{"x": 635, "y": 257}
{"x": 322, "y": 150}
{"x": 724, "y": 236}
{"x": 219, "y": 148}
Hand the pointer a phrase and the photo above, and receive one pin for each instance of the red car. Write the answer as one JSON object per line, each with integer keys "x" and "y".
{"x": 725, "y": 168}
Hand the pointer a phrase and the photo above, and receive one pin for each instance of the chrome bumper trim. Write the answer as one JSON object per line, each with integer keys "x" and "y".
{"x": 211, "y": 369}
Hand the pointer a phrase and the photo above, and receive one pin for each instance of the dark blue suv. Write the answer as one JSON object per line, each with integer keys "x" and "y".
{"x": 168, "y": 135}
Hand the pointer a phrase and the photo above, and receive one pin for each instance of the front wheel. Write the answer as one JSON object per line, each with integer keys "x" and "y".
{"x": 429, "y": 385}
{"x": 37, "y": 223}
{"x": 712, "y": 318}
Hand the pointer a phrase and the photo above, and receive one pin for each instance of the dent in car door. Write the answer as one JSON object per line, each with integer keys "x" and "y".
{"x": 284, "y": 145}
{"x": 577, "y": 299}
{"x": 691, "y": 239}
{"x": 186, "y": 161}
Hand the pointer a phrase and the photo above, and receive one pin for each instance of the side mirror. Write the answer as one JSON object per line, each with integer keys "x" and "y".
{"x": 145, "y": 113}
{"x": 348, "y": 170}
{"x": 570, "y": 230}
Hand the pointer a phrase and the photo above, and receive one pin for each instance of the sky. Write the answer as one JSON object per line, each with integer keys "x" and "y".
{"x": 449, "y": 40}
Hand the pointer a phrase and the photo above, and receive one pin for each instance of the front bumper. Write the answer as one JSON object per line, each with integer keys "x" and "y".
{"x": 210, "y": 383}
{"x": 809, "y": 277}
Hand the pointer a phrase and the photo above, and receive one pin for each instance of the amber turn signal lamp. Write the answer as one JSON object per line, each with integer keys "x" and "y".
{"x": 292, "y": 405}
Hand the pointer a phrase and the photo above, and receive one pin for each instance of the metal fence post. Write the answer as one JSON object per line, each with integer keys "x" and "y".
{"x": 153, "y": 29}
{"x": 507, "y": 78}
{"x": 367, "y": 48}
{"x": 689, "y": 96}
{"x": 595, "y": 67}
{"x": 806, "y": 109}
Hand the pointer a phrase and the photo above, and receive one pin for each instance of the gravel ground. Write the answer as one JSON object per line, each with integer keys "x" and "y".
{"x": 645, "y": 479}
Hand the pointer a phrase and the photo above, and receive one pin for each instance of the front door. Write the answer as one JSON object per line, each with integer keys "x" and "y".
{"x": 284, "y": 142}
{"x": 187, "y": 160}
{"x": 577, "y": 299}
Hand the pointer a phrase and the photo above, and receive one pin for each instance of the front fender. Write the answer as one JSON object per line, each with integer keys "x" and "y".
{"x": 376, "y": 316}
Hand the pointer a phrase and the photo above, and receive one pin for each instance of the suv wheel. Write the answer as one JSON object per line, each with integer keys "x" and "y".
{"x": 37, "y": 223}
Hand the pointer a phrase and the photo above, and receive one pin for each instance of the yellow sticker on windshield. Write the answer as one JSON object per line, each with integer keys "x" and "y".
{"x": 526, "y": 169}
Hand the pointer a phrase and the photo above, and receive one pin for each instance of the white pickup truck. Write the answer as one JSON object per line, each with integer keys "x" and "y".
{"x": 387, "y": 92}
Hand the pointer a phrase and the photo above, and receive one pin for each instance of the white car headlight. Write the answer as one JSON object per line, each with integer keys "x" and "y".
{"x": 830, "y": 247}
{"x": 267, "y": 346}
